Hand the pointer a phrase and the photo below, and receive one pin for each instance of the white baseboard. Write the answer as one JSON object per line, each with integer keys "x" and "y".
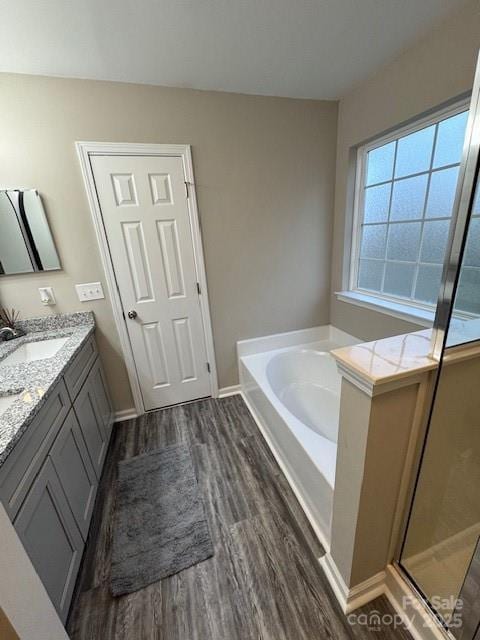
{"x": 125, "y": 414}
{"x": 351, "y": 599}
{"x": 224, "y": 392}
{"x": 284, "y": 468}
{"x": 366, "y": 591}
{"x": 335, "y": 580}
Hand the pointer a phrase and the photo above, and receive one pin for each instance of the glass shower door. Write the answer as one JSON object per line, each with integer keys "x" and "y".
{"x": 440, "y": 551}
{"x": 444, "y": 523}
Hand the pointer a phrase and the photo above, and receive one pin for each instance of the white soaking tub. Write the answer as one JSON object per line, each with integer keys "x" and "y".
{"x": 294, "y": 393}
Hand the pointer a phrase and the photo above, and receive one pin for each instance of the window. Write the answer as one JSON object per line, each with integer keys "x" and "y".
{"x": 405, "y": 192}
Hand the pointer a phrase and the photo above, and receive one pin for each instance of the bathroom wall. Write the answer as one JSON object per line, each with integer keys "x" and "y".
{"x": 264, "y": 171}
{"x": 437, "y": 68}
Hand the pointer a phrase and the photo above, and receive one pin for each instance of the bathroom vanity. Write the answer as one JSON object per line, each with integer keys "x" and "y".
{"x": 55, "y": 424}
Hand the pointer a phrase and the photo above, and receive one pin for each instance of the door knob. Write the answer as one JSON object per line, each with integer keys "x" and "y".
{"x": 132, "y": 314}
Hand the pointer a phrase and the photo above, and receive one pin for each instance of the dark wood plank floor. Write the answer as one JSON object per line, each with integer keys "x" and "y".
{"x": 263, "y": 583}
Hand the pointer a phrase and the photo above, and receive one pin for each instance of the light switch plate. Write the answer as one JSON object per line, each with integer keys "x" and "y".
{"x": 89, "y": 291}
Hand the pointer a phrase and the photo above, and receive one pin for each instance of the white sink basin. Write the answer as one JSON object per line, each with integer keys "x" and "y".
{"x": 29, "y": 351}
{"x": 6, "y": 401}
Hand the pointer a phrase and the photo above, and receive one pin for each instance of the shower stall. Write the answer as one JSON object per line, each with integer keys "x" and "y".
{"x": 439, "y": 552}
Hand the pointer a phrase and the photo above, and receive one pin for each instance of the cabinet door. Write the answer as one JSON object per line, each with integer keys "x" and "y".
{"x": 102, "y": 396}
{"x": 91, "y": 424}
{"x": 46, "y": 527}
{"x": 75, "y": 472}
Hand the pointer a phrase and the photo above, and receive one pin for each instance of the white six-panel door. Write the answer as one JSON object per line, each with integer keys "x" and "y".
{"x": 143, "y": 200}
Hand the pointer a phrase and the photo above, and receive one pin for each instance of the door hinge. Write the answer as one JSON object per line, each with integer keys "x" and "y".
{"x": 208, "y": 367}
{"x": 186, "y": 189}
{"x": 199, "y": 289}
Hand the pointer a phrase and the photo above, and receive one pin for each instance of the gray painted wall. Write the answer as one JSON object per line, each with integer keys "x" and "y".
{"x": 436, "y": 69}
{"x": 264, "y": 170}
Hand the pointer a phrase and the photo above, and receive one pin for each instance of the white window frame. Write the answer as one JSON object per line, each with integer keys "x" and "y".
{"x": 411, "y": 310}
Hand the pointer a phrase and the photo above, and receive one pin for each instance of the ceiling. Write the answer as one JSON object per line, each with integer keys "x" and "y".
{"x": 297, "y": 48}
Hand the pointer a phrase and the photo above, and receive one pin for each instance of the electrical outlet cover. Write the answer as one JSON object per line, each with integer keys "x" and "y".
{"x": 47, "y": 296}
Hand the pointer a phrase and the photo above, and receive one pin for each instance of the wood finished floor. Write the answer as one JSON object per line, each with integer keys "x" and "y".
{"x": 263, "y": 583}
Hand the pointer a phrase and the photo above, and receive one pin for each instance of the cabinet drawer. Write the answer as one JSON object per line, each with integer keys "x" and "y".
{"x": 78, "y": 371}
{"x": 23, "y": 463}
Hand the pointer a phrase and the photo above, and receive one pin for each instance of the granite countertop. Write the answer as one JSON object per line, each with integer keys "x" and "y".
{"x": 35, "y": 380}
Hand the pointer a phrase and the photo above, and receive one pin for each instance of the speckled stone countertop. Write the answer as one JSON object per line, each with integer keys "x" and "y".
{"x": 35, "y": 380}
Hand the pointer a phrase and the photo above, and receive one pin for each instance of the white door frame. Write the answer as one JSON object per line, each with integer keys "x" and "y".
{"x": 183, "y": 151}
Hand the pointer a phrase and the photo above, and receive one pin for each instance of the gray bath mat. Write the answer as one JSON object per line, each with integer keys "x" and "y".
{"x": 160, "y": 524}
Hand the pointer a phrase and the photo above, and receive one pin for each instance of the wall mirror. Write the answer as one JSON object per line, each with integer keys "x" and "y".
{"x": 26, "y": 243}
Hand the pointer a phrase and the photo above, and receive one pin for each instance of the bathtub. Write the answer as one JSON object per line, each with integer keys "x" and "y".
{"x": 291, "y": 386}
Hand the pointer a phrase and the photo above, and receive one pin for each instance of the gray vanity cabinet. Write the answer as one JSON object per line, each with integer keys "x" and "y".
{"x": 49, "y": 481}
{"x": 89, "y": 417}
{"x": 47, "y": 529}
{"x": 75, "y": 471}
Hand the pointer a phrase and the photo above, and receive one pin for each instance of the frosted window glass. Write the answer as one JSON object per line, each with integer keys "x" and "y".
{"x": 441, "y": 195}
{"x": 403, "y": 241}
{"x": 471, "y": 257}
{"x": 377, "y": 201}
{"x": 380, "y": 163}
{"x": 399, "y": 279}
{"x": 468, "y": 292}
{"x": 434, "y": 241}
{"x": 408, "y": 198}
{"x": 414, "y": 152}
{"x": 449, "y": 144}
{"x": 373, "y": 241}
{"x": 370, "y": 274}
{"x": 405, "y": 213}
{"x": 428, "y": 282}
